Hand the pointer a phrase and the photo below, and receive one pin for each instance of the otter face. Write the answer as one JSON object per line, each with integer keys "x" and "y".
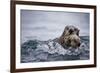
{"x": 70, "y": 37}
{"x": 70, "y": 30}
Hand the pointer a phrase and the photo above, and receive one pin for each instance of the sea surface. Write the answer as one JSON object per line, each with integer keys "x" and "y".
{"x": 45, "y": 51}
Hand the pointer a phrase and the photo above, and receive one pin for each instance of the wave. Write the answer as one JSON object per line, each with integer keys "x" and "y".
{"x": 44, "y": 51}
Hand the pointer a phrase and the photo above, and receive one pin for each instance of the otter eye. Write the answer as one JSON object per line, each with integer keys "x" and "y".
{"x": 75, "y": 29}
{"x": 67, "y": 28}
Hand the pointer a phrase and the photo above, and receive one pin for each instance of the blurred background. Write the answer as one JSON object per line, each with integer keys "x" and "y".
{"x": 45, "y": 25}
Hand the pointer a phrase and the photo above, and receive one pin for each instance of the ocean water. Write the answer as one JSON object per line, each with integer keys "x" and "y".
{"x": 45, "y": 51}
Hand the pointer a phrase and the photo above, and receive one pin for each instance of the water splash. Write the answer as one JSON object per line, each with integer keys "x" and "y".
{"x": 42, "y": 51}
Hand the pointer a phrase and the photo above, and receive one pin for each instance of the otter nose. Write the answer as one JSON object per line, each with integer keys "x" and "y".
{"x": 79, "y": 44}
{"x": 70, "y": 31}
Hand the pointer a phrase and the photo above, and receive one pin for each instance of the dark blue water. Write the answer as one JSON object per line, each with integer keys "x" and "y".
{"x": 38, "y": 51}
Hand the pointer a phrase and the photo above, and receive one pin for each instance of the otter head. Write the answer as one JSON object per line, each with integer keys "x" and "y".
{"x": 70, "y": 37}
